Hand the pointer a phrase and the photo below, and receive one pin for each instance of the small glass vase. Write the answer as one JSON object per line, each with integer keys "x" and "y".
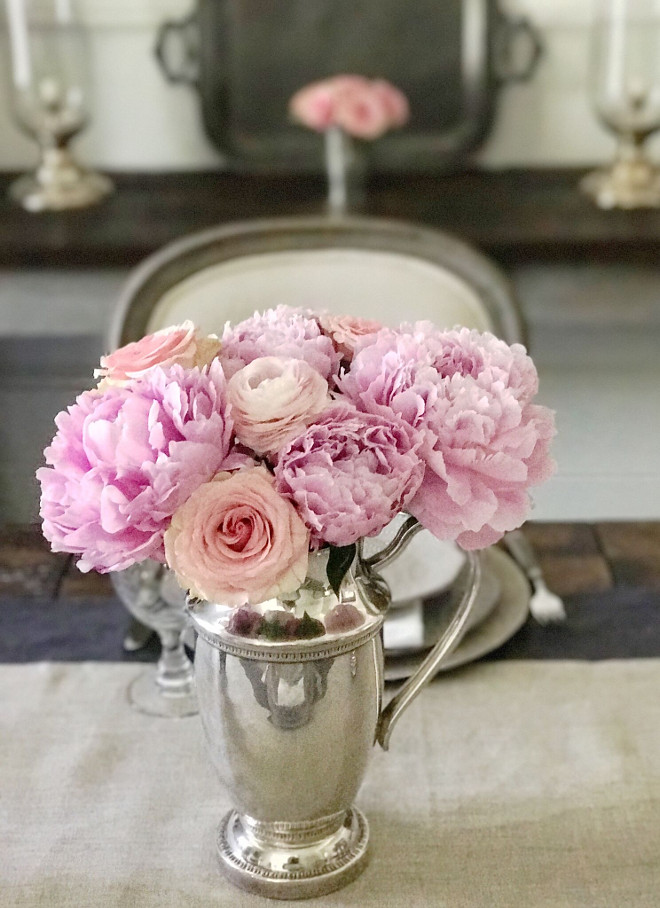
{"x": 290, "y": 724}
{"x": 151, "y": 594}
{"x": 346, "y": 171}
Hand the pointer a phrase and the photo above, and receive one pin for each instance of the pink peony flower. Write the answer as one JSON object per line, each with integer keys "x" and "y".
{"x": 363, "y": 108}
{"x": 180, "y": 344}
{"x": 124, "y": 459}
{"x": 346, "y": 330}
{"x": 284, "y": 331}
{"x": 273, "y": 399}
{"x": 349, "y": 474}
{"x": 469, "y": 396}
{"x": 236, "y": 541}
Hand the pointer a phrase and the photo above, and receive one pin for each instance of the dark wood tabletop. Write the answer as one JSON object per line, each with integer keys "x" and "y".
{"x": 513, "y": 215}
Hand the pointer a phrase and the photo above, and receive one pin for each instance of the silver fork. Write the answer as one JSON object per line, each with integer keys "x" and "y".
{"x": 546, "y": 607}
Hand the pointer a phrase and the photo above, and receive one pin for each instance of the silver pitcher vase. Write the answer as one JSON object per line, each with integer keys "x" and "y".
{"x": 290, "y": 726}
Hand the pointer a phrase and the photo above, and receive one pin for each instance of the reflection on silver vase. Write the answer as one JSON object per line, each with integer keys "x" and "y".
{"x": 150, "y": 592}
{"x": 290, "y": 726}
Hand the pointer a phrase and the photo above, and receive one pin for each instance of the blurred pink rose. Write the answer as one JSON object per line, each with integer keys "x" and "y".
{"x": 361, "y": 113}
{"x": 180, "y": 344}
{"x": 124, "y": 459}
{"x": 363, "y": 108}
{"x": 236, "y": 541}
{"x": 346, "y": 330}
{"x": 393, "y": 100}
{"x": 313, "y": 106}
{"x": 273, "y": 399}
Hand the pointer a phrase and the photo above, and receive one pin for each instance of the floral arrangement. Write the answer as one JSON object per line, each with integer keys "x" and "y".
{"x": 362, "y": 108}
{"x": 233, "y": 459}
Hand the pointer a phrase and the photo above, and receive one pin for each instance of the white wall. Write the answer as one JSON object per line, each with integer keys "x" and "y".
{"x": 141, "y": 122}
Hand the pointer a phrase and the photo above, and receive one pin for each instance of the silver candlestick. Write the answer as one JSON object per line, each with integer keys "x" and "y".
{"x": 48, "y": 75}
{"x": 625, "y": 88}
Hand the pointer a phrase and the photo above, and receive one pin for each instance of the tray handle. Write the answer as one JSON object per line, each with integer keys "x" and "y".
{"x": 518, "y": 48}
{"x": 177, "y": 50}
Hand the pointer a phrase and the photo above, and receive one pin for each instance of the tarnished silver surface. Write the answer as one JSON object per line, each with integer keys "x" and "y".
{"x": 150, "y": 592}
{"x": 290, "y": 726}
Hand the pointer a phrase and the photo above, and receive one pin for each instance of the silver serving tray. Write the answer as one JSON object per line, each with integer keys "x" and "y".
{"x": 246, "y": 58}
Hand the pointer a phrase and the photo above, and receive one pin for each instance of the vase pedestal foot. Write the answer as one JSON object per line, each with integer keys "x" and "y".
{"x": 293, "y": 860}
{"x": 147, "y": 696}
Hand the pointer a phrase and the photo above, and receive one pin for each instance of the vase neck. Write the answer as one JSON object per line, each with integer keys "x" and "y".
{"x": 344, "y": 171}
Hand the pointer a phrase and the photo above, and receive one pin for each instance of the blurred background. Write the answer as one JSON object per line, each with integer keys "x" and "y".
{"x": 140, "y": 122}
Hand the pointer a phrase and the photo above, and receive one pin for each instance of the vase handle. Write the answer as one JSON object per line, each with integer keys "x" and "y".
{"x": 401, "y": 700}
{"x": 392, "y": 550}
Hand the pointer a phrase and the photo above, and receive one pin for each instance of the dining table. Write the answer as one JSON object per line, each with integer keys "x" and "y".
{"x": 527, "y": 778}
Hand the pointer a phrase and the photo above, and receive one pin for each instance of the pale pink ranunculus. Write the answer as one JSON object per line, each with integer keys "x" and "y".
{"x": 363, "y": 108}
{"x": 182, "y": 345}
{"x": 346, "y": 330}
{"x": 273, "y": 399}
{"x": 236, "y": 541}
{"x": 124, "y": 459}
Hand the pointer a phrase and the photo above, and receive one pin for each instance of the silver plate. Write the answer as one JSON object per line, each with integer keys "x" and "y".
{"x": 498, "y": 627}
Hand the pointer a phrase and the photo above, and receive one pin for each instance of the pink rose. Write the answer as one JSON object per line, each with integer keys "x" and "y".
{"x": 393, "y": 100}
{"x": 360, "y": 112}
{"x": 313, "y": 106}
{"x": 236, "y": 541}
{"x": 179, "y": 345}
{"x": 273, "y": 399}
{"x": 346, "y": 330}
{"x": 364, "y": 108}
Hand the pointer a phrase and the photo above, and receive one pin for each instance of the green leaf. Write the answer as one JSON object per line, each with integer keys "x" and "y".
{"x": 340, "y": 559}
{"x": 272, "y": 630}
{"x": 309, "y": 627}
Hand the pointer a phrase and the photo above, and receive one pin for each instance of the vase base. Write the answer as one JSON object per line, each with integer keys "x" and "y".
{"x": 281, "y": 870}
{"x": 61, "y": 191}
{"x": 146, "y": 696}
{"x": 626, "y": 185}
